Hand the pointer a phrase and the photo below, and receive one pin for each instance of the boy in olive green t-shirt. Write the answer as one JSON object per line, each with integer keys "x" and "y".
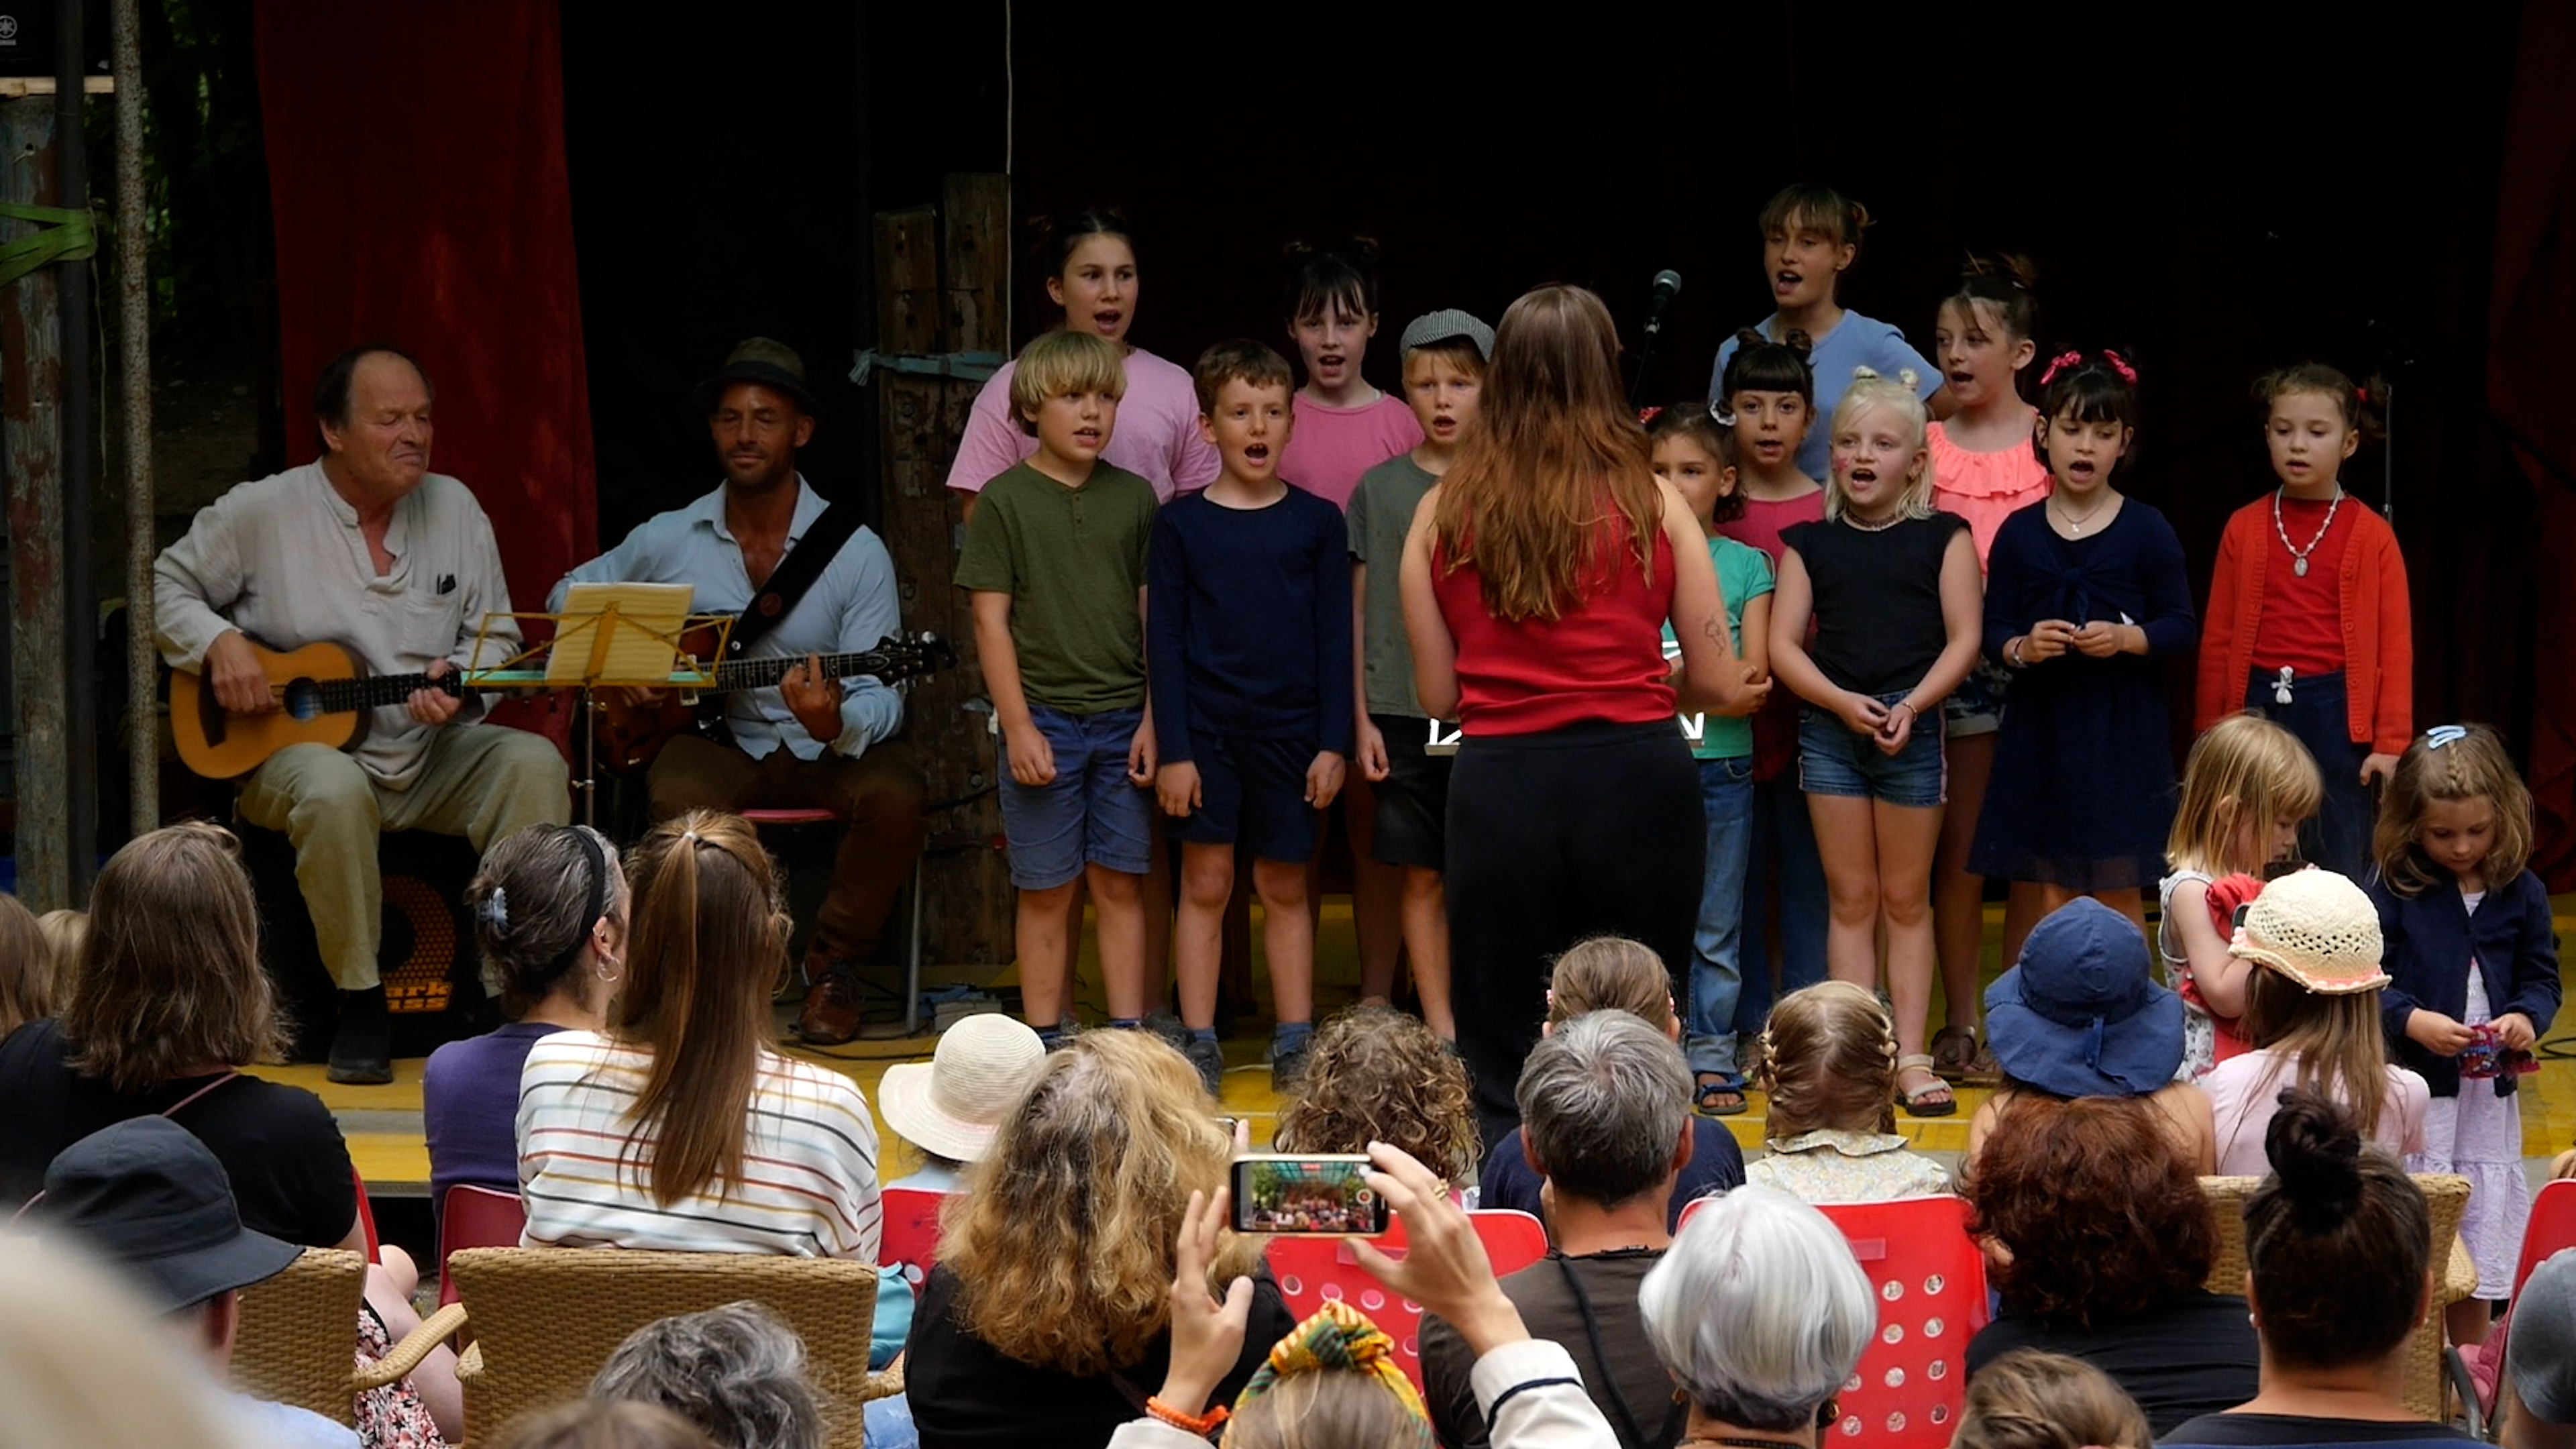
{"x": 1055, "y": 559}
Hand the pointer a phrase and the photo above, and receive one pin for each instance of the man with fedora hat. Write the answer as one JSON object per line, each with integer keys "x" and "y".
{"x": 814, "y": 741}
{"x": 149, "y": 1199}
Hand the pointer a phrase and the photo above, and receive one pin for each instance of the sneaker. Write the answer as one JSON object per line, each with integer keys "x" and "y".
{"x": 1209, "y": 1058}
{"x": 831, "y": 1014}
{"x": 362, "y": 1049}
{"x": 1167, "y": 1026}
{"x": 1288, "y": 1063}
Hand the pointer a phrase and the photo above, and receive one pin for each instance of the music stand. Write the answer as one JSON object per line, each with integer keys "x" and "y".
{"x": 613, "y": 635}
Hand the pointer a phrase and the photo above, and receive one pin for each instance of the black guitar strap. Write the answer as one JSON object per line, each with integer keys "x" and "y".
{"x": 795, "y": 574}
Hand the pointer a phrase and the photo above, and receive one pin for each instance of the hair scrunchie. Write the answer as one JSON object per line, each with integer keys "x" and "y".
{"x": 1339, "y": 1339}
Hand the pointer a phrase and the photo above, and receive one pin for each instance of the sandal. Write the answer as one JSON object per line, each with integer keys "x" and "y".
{"x": 1932, "y": 1100}
{"x": 1954, "y": 1052}
{"x": 1718, "y": 1096}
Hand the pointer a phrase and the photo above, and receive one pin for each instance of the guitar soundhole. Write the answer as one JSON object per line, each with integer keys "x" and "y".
{"x": 303, "y": 700}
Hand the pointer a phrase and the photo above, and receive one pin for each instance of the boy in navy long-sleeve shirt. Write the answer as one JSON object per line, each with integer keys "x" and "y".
{"x": 1248, "y": 625}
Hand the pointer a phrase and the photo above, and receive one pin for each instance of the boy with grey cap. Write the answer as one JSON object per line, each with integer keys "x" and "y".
{"x": 1443, "y": 355}
{"x": 150, "y": 1199}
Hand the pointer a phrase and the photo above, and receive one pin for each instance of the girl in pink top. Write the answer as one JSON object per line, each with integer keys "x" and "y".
{"x": 1089, "y": 258}
{"x": 1984, "y": 468}
{"x": 1344, "y": 426}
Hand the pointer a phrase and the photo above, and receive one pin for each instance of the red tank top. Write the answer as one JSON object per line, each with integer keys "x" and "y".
{"x": 1602, "y": 660}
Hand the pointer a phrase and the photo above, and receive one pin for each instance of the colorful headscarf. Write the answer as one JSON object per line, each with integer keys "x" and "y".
{"x": 1339, "y": 1339}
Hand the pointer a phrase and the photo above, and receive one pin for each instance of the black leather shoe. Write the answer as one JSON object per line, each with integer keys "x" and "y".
{"x": 362, "y": 1050}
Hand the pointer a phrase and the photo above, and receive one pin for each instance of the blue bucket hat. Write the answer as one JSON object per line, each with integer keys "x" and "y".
{"x": 2079, "y": 1015}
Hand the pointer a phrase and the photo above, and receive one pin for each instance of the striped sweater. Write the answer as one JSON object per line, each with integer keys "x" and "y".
{"x": 809, "y": 1182}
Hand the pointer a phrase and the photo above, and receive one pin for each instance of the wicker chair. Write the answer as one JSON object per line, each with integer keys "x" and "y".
{"x": 299, "y": 1336}
{"x": 545, "y": 1319}
{"x": 2445, "y": 1195}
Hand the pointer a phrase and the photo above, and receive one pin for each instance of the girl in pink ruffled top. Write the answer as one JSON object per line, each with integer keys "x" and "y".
{"x": 1983, "y": 468}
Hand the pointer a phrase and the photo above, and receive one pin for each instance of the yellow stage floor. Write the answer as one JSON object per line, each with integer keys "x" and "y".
{"x": 383, "y": 1123}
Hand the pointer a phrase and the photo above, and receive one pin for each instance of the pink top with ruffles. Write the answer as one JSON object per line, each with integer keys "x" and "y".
{"x": 1984, "y": 488}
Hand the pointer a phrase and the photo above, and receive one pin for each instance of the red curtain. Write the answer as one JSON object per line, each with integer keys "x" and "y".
{"x": 416, "y": 170}
{"x": 2531, "y": 374}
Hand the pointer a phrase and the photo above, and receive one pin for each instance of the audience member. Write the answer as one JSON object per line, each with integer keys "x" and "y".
{"x": 590, "y": 1424}
{"x": 549, "y": 911}
{"x": 29, "y": 969}
{"x": 149, "y": 1199}
{"x": 1606, "y": 1121}
{"x": 736, "y": 1372}
{"x": 951, "y": 1106}
{"x": 1829, "y": 1069}
{"x": 2033, "y": 1400}
{"x": 2312, "y": 1011}
{"x": 1378, "y": 1075}
{"x": 1333, "y": 1380}
{"x": 2081, "y": 1015}
{"x": 717, "y": 1143}
{"x": 1759, "y": 1314}
{"x": 64, "y": 930}
{"x": 1052, "y": 1298}
{"x": 2099, "y": 1240}
{"x": 170, "y": 1003}
{"x": 2338, "y": 1243}
{"x": 1617, "y": 974}
{"x": 81, "y": 1365}
{"x": 2537, "y": 1404}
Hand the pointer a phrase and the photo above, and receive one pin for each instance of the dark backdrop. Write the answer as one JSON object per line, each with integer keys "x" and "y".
{"x": 2218, "y": 198}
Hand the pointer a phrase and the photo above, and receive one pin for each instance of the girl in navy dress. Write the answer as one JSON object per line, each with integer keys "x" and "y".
{"x": 2084, "y": 591}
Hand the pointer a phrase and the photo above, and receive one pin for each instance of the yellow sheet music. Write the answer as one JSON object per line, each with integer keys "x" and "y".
{"x": 619, "y": 633}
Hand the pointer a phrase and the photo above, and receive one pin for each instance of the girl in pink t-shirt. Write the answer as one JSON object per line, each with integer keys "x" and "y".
{"x": 1984, "y": 468}
{"x": 1089, "y": 261}
{"x": 1344, "y": 427}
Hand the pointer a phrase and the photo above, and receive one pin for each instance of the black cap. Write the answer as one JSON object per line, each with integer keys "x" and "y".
{"x": 759, "y": 360}
{"x": 147, "y": 1196}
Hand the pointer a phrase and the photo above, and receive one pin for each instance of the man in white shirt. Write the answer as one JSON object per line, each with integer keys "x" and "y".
{"x": 368, "y": 548}
{"x": 813, "y": 741}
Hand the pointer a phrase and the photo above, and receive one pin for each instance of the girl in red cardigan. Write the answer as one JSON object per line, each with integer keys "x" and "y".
{"x": 2308, "y": 622}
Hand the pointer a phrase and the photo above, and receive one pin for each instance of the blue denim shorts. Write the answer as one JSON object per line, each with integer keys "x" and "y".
{"x": 1089, "y": 814}
{"x": 1834, "y": 761}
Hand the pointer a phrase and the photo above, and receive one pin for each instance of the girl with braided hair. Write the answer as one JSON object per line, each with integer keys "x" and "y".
{"x": 1829, "y": 1069}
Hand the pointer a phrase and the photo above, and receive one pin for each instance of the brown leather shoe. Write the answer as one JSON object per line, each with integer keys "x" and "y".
{"x": 831, "y": 1014}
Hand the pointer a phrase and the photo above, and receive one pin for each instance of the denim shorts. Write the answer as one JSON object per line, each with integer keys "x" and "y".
{"x": 1834, "y": 761}
{"x": 1251, "y": 793}
{"x": 1089, "y": 814}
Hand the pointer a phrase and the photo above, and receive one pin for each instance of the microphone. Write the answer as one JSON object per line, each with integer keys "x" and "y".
{"x": 1668, "y": 284}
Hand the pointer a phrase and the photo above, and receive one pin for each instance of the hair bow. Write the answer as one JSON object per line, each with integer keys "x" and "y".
{"x": 1647, "y": 415}
{"x": 495, "y": 910}
{"x": 2121, "y": 366}
{"x": 2440, "y": 735}
{"x": 1339, "y": 1338}
{"x": 2058, "y": 364}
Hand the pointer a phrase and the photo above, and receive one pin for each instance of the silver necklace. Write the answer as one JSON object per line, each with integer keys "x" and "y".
{"x": 1882, "y": 526}
{"x": 2074, "y": 524}
{"x": 2299, "y": 556}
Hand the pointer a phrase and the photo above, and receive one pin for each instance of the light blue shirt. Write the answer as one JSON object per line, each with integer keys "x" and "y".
{"x": 1856, "y": 341}
{"x": 284, "y": 1426}
{"x": 851, "y": 607}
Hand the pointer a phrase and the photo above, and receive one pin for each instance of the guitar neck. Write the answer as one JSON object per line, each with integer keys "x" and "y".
{"x": 378, "y": 690}
{"x": 765, "y": 672}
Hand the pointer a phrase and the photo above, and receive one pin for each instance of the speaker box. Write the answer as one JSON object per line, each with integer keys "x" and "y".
{"x": 433, "y": 978}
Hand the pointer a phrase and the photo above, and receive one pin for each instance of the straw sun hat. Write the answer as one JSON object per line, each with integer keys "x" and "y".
{"x": 952, "y": 1105}
{"x": 2316, "y": 928}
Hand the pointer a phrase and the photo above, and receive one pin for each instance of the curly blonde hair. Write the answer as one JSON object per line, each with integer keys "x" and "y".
{"x": 1829, "y": 1060}
{"x": 1378, "y": 1075}
{"x": 1062, "y": 1245}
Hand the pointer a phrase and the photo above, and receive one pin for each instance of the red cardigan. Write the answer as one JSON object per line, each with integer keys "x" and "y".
{"x": 2378, "y": 630}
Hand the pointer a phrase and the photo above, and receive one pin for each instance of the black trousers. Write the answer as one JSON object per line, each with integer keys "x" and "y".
{"x": 1588, "y": 830}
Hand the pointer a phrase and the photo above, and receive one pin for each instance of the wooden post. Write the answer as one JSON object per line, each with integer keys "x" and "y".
{"x": 30, "y": 429}
{"x": 967, "y": 885}
{"x": 134, "y": 326}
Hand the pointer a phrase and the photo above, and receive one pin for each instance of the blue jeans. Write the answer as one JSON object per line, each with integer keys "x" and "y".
{"x": 1716, "y": 974}
{"x": 887, "y": 1423}
{"x": 1786, "y": 860}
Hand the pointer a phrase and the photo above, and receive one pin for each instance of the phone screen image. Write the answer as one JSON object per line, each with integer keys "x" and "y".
{"x": 1312, "y": 1195}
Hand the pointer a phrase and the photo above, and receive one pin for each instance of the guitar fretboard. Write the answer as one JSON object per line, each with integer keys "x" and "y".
{"x": 338, "y": 695}
{"x": 763, "y": 673}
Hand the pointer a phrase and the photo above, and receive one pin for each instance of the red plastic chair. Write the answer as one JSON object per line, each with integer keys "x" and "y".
{"x": 2476, "y": 1368}
{"x": 912, "y": 1230}
{"x": 475, "y": 1217}
{"x": 1931, "y": 1284}
{"x": 1311, "y": 1271}
{"x": 366, "y": 1215}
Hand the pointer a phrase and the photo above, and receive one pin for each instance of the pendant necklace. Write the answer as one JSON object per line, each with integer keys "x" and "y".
{"x": 2299, "y": 556}
{"x": 2075, "y": 525}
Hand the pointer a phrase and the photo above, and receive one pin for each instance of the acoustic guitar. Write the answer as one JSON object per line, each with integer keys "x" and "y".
{"x": 323, "y": 695}
{"x": 631, "y": 733}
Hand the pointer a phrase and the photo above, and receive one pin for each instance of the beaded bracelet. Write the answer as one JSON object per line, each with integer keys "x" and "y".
{"x": 1201, "y": 1425}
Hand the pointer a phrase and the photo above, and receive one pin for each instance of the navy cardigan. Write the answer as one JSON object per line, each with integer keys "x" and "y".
{"x": 2431, "y": 940}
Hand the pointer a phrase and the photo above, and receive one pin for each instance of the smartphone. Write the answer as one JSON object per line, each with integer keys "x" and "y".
{"x": 1306, "y": 1195}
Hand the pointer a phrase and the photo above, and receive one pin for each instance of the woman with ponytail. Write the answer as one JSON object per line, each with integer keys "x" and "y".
{"x": 2338, "y": 1245}
{"x": 677, "y": 1127}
